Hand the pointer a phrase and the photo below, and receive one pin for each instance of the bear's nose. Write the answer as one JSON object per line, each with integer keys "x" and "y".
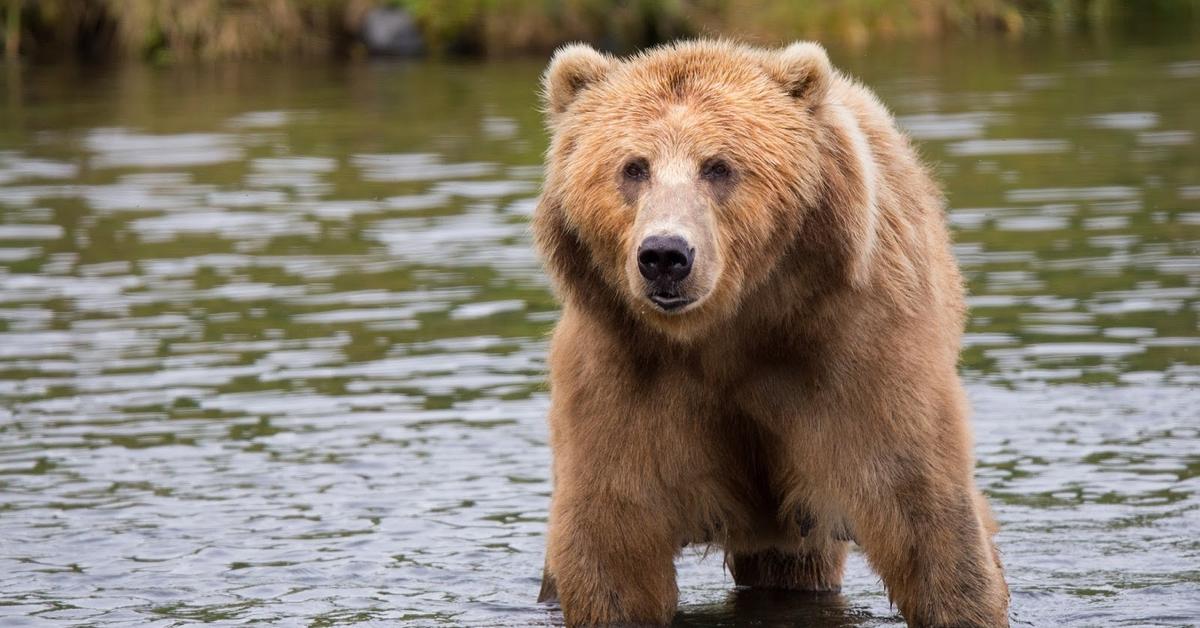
{"x": 665, "y": 256}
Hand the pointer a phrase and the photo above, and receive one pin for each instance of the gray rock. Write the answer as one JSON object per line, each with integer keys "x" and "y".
{"x": 391, "y": 31}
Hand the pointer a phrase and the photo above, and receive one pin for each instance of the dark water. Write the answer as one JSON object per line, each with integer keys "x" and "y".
{"x": 272, "y": 339}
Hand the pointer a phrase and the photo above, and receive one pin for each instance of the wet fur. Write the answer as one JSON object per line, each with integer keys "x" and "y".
{"x": 812, "y": 398}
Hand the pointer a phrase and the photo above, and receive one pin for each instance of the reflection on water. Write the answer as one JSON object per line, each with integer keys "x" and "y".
{"x": 272, "y": 339}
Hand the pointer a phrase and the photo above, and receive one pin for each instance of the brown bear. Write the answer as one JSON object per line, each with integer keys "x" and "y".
{"x": 759, "y": 337}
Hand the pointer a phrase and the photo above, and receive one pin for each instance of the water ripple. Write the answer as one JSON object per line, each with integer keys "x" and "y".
{"x": 280, "y": 357}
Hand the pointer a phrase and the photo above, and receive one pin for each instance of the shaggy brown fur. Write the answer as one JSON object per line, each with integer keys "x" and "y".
{"x": 808, "y": 395}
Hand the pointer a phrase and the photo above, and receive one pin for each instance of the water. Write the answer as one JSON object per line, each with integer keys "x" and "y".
{"x": 272, "y": 339}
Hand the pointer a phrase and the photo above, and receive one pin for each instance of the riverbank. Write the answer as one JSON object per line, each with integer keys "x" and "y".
{"x": 171, "y": 30}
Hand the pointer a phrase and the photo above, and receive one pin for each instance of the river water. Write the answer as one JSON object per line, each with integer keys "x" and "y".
{"x": 272, "y": 338}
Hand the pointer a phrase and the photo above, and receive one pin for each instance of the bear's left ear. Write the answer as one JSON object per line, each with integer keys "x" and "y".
{"x": 803, "y": 69}
{"x": 572, "y": 69}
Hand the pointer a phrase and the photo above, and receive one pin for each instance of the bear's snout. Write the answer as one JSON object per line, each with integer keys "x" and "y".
{"x": 665, "y": 261}
{"x": 665, "y": 257}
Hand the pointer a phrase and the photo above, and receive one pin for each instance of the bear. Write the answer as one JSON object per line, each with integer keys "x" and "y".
{"x": 758, "y": 343}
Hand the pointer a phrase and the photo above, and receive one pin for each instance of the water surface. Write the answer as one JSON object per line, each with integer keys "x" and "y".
{"x": 272, "y": 339}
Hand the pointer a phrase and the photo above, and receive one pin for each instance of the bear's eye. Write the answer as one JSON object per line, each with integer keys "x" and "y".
{"x": 637, "y": 170}
{"x": 715, "y": 170}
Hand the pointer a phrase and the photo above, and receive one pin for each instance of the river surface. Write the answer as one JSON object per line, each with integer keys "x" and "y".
{"x": 272, "y": 339}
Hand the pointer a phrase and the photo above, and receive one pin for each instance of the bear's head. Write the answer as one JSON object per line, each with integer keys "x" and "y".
{"x": 679, "y": 180}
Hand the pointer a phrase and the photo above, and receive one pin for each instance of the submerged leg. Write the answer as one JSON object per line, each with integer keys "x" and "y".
{"x": 811, "y": 567}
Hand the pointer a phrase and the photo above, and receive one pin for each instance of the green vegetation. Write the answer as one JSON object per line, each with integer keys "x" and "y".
{"x": 164, "y": 30}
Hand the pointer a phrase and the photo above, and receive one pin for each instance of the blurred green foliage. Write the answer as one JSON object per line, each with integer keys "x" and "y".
{"x": 176, "y": 29}
{"x": 507, "y": 27}
{"x": 168, "y": 29}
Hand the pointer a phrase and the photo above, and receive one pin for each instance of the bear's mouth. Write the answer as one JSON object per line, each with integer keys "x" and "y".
{"x": 669, "y": 302}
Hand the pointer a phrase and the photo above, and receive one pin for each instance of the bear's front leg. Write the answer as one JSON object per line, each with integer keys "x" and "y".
{"x": 633, "y": 470}
{"x": 611, "y": 559}
{"x": 927, "y": 531}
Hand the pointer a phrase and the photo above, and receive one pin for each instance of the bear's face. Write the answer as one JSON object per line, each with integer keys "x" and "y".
{"x": 678, "y": 179}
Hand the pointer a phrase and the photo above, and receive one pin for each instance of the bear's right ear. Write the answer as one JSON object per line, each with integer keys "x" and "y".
{"x": 572, "y": 69}
{"x": 803, "y": 69}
